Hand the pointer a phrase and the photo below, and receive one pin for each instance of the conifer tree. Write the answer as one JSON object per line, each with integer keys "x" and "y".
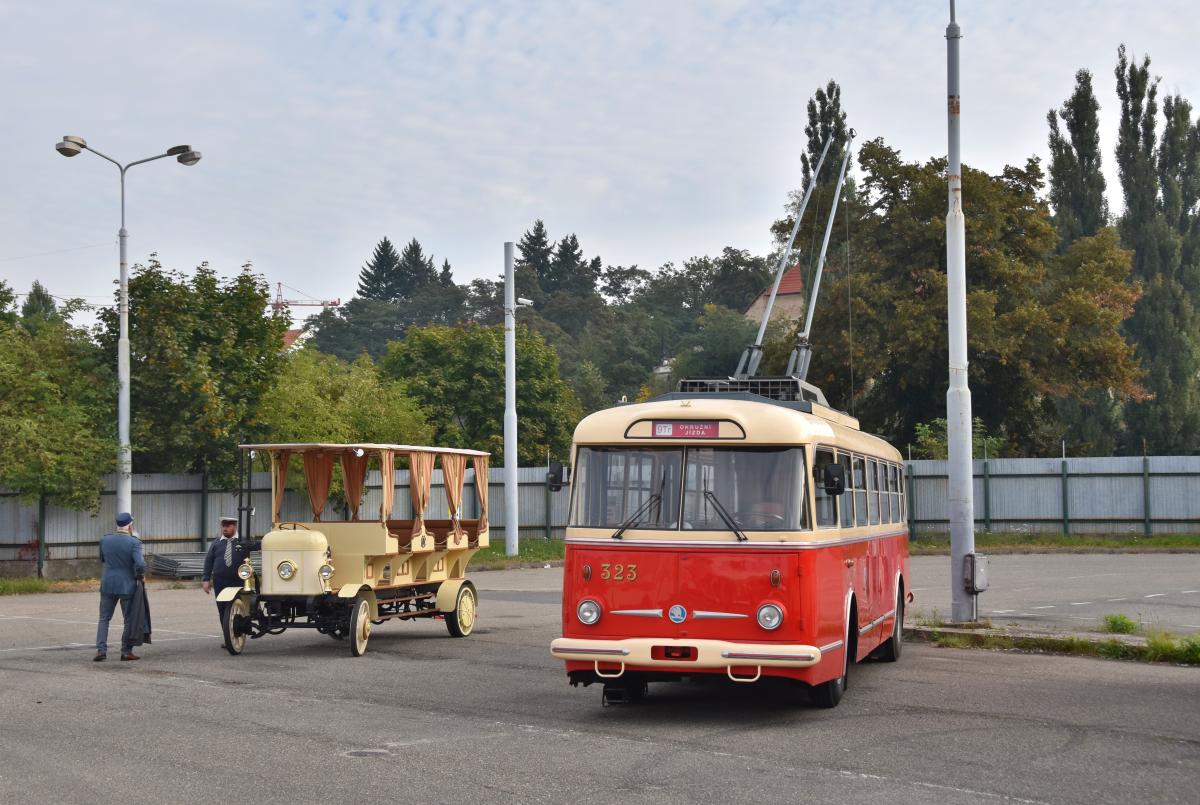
{"x": 39, "y": 306}
{"x": 535, "y": 252}
{"x": 414, "y": 272}
{"x": 1076, "y": 180}
{"x": 377, "y": 276}
{"x": 446, "y": 276}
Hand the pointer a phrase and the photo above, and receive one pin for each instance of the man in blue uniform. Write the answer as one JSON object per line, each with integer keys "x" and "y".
{"x": 121, "y": 555}
{"x": 224, "y": 557}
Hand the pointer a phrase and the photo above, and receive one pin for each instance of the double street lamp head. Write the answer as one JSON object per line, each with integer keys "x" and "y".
{"x": 71, "y": 145}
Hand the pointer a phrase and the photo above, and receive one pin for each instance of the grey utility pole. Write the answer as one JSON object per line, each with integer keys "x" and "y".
{"x": 69, "y": 147}
{"x": 963, "y": 583}
{"x": 511, "y": 543}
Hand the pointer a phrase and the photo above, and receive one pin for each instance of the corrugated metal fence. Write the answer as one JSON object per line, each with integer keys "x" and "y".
{"x": 1151, "y": 495}
{"x": 174, "y": 513}
{"x": 1158, "y": 494}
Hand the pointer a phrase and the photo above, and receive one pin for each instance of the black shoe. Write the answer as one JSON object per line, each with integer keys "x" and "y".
{"x": 100, "y": 657}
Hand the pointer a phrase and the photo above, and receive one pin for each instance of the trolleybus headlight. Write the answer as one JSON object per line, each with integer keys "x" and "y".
{"x": 245, "y": 571}
{"x": 588, "y": 612}
{"x": 770, "y": 616}
{"x": 286, "y": 570}
{"x": 326, "y": 572}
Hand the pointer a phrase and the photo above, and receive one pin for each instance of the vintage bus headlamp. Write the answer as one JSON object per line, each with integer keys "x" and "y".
{"x": 286, "y": 570}
{"x": 326, "y": 572}
{"x": 588, "y": 612}
{"x": 245, "y": 571}
{"x": 770, "y": 616}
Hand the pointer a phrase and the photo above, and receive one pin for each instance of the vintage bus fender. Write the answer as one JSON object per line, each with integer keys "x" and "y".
{"x": 447, "y": 594}
{"x": 352, "y": 591}
{"x": 229, "y": 593}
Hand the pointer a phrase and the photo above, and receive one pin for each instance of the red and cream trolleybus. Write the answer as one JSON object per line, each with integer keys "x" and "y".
{"x": 723, "y": 531}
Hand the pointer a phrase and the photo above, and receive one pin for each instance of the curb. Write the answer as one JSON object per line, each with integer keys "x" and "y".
{"x": 1078, "y": 644}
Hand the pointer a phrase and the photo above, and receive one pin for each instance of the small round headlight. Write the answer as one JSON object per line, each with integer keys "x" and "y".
{"x": 286, "y": 570}
{"x": 326, "y": 572}
{"x": 770, "y": 616}
{"x": 245, "y": 572}
{"x": 588, "y": 612}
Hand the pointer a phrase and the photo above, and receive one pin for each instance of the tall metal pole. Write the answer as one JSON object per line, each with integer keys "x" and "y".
{"x": 964, "y": 602}
{"x": 511, "y": 545}
{"x": 124, "y": 450}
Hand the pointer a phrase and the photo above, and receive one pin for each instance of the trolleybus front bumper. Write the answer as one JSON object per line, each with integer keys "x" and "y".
{"x": 650, "y": 652}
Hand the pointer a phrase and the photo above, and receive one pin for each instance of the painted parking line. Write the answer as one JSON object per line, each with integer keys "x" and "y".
{"x": 1154, "y": 595}
{"x": 89, "y": 646}
{"x": 1080, "y": 603}
{"x": 1186, "y": 592}
{"x": 1002, "y": 611}
{"x": 115, "y": 621}
{"x": 1116, "y": 599}
{"x": 1048, "y": 606}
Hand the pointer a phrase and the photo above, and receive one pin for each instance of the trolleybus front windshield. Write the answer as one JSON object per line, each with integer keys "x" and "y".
{"x": 762, "y": 489}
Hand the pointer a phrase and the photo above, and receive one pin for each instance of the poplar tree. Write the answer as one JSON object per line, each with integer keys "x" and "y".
{"x": 1076, "y": 180}
{"x": 825, "y": 116}
{"x": 1164, "y": 324}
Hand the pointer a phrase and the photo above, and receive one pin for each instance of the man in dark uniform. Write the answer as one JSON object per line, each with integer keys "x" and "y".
{"x": 124, "y": 564}
{"x": 224, "y": 557}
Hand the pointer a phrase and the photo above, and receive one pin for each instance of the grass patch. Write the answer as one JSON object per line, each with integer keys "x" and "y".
{"x": 1117, "y": 623}
{"x": 935, "y": 544}
{"x": 530, "y": 551}
{"x": 22, "y": 586}
{"x": 1160, "y": 646}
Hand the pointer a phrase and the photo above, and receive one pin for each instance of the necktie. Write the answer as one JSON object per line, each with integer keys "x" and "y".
{"x": 228, "y": 552}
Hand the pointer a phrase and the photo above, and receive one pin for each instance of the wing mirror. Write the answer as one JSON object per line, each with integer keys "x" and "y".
{"x": 556, "y": 476}
{"x": 833, "y": 478}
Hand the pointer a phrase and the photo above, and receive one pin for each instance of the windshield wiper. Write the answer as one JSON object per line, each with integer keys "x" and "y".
{"x": 645, "y": 507}
{"x": 710, "y": 497}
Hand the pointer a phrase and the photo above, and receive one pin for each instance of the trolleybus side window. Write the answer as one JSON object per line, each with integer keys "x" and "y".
{"x": 873, "y": 490}
{"x": 885, "y": 505}
{"x": 760, "y": 489}
{"x": 826, "y": 504}
{"x": 893, "y": 493}
{"x": 860, "y": 490}
{"x": 614, "y": 484}
{"x": 847, "y": 502}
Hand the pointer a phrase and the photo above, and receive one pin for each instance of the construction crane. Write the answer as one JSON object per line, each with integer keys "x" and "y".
{"x": 280, "y": 303}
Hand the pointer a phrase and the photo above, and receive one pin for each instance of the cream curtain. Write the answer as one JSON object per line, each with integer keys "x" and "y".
{"x": 481, "y": 488}
{"x": 318, "y": 472}
{"x": 279, "y": 472}
{"x": 420, "y": 477}
{"x": 454, "y": 470}
{"x": 387, "y": 479}
{"x": 354, "y": 478}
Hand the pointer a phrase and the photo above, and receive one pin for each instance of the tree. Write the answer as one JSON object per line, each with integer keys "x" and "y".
{"x": 931, "y": 440}
{"x": 39, "y": 307}
{"x": 588, "y": 383}
{"x": 1159, "y": 229}
{"x": 379, "y": 276}
{"x": 1041, "y": 328}
{"x": 57, "y": 410}
{"x": 620, "y": 284}
{"x": 414, "y": 271}
{"x": 1076, "y": 180}
{"x": 204, "y": 354}
{"x": 714, "y": 348}
{"x": 457, "y": 373}
{"x": 535, "y": 253}
{"x": 825, "y": 118}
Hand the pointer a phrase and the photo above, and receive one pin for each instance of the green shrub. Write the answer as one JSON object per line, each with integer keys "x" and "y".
{"x": 1117, "y": 623}
{"x": 20, "y": 586}
{"x": 1189, "y": 649}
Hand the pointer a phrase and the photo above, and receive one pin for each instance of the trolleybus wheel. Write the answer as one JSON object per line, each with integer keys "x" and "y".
{"x": 360, "y": 626}
{"x": 234, "y": 641}
{"x": 461, "y": 621}
{"x": 890, "y": 651}
{"x": 828, "y": 694}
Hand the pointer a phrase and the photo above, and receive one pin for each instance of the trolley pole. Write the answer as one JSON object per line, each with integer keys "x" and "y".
{"x": 964, "y": 599}
{"x": 511, "y": 545}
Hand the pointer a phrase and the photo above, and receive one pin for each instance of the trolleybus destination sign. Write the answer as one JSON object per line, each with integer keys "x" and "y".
{"x": 691, "y": 429}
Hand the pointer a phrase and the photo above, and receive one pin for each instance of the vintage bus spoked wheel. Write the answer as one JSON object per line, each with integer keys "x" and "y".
{"x": 234, "y": 642}
{"x": 461, "y": 621}
{"x": 360, "y": 627}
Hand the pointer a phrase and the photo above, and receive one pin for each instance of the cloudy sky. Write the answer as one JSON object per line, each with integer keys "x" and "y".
{"x": 654, "y": 129}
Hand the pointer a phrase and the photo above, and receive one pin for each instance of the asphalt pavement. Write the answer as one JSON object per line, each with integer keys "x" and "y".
{"x": 427, "y": 718}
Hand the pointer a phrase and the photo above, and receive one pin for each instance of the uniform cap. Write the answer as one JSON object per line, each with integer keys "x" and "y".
{"x": 228, "y": 519}
{"x": 124, "y": 519}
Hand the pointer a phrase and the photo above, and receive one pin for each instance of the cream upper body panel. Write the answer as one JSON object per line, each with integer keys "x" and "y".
{"x": 764, "y": 423}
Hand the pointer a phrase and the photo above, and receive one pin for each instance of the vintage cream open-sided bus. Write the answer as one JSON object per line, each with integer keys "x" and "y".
{"x": 342, "y": 577}
{"x": 735, "y": 534}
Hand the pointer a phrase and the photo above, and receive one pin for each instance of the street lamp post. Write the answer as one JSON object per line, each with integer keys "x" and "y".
{"x": 69, "y": 147}
{"x": 511, "y": 303}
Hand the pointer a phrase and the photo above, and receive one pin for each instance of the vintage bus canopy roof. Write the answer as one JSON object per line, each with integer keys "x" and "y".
{"x": 751, "y": 420}
{"x": 398, "y": 449}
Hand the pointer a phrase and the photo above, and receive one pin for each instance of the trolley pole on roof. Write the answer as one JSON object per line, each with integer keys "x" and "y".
{"x": 964, "y": 598}
{"x": 511, "y": 546}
